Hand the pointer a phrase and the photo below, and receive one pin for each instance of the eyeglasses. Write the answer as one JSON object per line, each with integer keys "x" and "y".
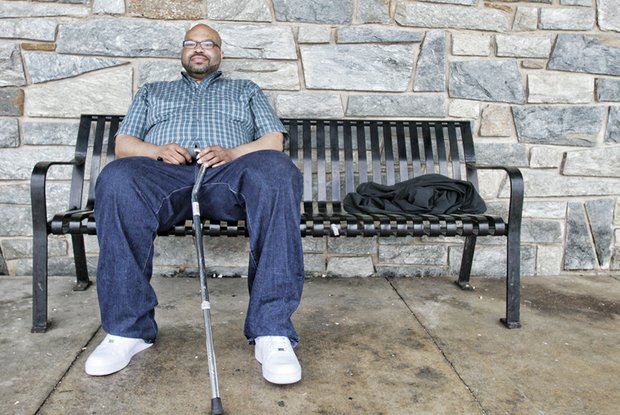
{"x": 205, "y": 44}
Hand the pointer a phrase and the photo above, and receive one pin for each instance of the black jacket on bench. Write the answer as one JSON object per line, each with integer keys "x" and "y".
{"x": 429, "y": 193}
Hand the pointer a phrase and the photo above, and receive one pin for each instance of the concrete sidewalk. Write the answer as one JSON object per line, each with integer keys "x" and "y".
{"x": 369, "y": 346}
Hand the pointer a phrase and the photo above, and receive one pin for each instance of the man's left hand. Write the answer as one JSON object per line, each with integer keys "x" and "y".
{"x": 214, "y": 156}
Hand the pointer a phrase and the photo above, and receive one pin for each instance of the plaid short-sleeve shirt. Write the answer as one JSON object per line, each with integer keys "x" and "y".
{"x": 216, "y": 111}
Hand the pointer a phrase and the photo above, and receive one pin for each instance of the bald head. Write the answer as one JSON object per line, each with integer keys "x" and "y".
{"x": 204, "y": 54}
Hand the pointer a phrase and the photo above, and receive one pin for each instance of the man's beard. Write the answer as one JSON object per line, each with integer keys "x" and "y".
{"x": 193, "y": 69}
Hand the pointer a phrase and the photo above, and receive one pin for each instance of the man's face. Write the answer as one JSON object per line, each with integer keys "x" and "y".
{"x": 200, "y": 62}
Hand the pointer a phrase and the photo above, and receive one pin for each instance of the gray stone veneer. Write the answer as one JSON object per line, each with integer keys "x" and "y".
{"x": 540, "y": 82}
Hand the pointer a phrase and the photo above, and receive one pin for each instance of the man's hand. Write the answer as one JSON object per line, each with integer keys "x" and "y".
{"x": 173, "y": 154}
{"x": 214, "y": 156}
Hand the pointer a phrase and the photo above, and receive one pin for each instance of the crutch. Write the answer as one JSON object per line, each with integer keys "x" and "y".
{"x": 216, "y": 402}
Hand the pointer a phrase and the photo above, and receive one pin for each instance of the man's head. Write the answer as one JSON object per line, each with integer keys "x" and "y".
{"x": 201, "y": 54}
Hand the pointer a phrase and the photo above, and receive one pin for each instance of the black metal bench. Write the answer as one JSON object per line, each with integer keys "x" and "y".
{"x": 334, "y": 157}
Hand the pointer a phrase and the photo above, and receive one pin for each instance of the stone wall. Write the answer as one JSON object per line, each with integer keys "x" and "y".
{"x": 539, "y": 79}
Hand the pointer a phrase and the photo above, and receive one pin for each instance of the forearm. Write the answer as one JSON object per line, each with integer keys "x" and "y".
{"x": 127, "y": 146}
{"x": 214, "y": 156}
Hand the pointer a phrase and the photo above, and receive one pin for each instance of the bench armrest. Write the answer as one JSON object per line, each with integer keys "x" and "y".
{"x": 38, "y": 198}
{"x": 517, "y": 191}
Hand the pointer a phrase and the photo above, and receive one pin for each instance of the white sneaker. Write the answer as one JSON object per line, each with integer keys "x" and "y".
{"x": 113, "y": 354}
{"x": 280, "y": 365}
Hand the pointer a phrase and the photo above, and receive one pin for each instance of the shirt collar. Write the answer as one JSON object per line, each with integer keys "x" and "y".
{"x": 190, "y": 81}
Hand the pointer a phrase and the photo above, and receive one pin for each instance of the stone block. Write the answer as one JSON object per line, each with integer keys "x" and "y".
{"x": 15, "y": 194}
{"x": 608, "y": 89}
{"x": 590, "y": 54}
{"x": 579, "y": 253}
{"x": 546, "y": 157}
{"x": 523, "y": 46}
{"x": 121, "y": 37}
{"x": 257, "y": 41}
{"x": 350, "y": 266}
{"x": 461, "y": 108}
{"x": 160, "y": 70}
{"x": 490, "y": 260}
{"x": 533, "y": 64}
{"x": 612, "y": 134}
{"x": 318, "y": 11}
{"x": 41, "y": 47}
{"x": 373, "y": 11}
{"x": 314, "y": 244}
{"x": 17, "y": 163}
{"x": 549, "y": 261}
{"x": 17, "y": 248}
{"x": 544, "y": 209}
{"x": 27, "y": 28}
{"x": 377, "y": 34}
{"x": 9, "y": 132}
{"x": 11, "y": 101}
{"x": 582, "y": 3}
{"x": 309, "y": 105}
{"x": 430, "y": 74}
{"x": 489, "y": 185}
{"x": 11, "y": 68}
{"x": 271, "y": 75}
{"x": 545, "y": 183}
{"x": 541, "y": 231}
{"x": 600, "y": 216}
{"x": 505, "y": 154}
{"x": 165, "y": 9}
{"x": 560, "y": 88}
{"x": 15, "y": 221}
{"x": 608, "y": 14}
{"x": 558, "y": 125}
{"x": 526, "y": 19}
{"x": 109, "y": 6}
{"x": 573, "y": 18}
{"x": 471, "y": 44}
{"x": 314, "y": 264}
{"x": 107, "y": 92}
{"x": 597, "y": 162}
{"x": 36, "y": 9}
{"x": 244, "y": 10}
{"x": 486, "y": 80}
{"x": 496, "y": 121}
{"x": 43, "y": 67}
{"x": 314, "y": 34}
{"x": 355, "y": 67}
{"x": 427, "y": 105}
{"x": 413, "y": 254}
{"x": 352, "y": 246}
{"x": 447, "y": 16}
{"x": 50, "y": 132}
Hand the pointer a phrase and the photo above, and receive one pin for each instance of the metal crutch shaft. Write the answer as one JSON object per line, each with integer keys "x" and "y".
{"x": 216, "y": 402}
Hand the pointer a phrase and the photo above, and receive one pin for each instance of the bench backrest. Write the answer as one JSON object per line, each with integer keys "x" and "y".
{"x": 335, "y": 156}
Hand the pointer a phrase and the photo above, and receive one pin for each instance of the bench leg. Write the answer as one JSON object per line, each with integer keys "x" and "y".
{"x": 81, "y": 267}
{"x": 466, "y": 263}
{"x": 39, "y": 281}
{"x": 513, "y": 281}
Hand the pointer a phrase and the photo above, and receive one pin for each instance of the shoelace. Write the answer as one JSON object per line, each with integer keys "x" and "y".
{"x": 277, "y": 345}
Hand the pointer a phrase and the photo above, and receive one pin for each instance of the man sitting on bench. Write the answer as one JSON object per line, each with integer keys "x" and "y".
{"x": 147, "y": 188}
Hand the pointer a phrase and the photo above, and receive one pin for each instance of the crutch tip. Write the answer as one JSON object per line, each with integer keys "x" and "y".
{"x": 216, "y": 407}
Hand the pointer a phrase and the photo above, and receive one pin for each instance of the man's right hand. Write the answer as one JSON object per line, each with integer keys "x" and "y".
{"x": 127, "y": 146}
{"x": 173, "y": 154}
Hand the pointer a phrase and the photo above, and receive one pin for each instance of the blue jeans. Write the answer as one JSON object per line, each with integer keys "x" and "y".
{"x": 137, "y": 196}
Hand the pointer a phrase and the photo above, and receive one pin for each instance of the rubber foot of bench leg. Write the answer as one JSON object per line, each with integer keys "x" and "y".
{"x": 465, "y": 285}
{"x": 82, "y": 285}
{"x": 40, "y": 329}
{"x": 511, "y": 324}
